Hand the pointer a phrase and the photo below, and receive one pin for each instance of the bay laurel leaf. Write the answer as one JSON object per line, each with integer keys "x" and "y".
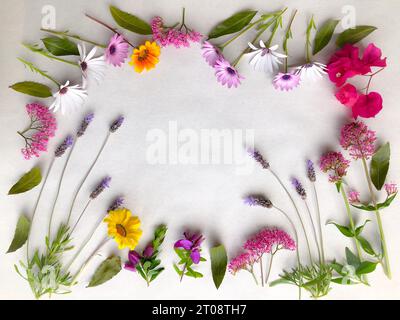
{"x": 380, "y": 166}
{"x": 233, "y": 24}
{"x": 219, "y": 261}
{"x": 21, "y": 234}
{"x": 130, "y": 22}
{"x": 31, "y": 88}
{"x": 27, "y": 182}
{"x": 58, "y": 46}
{"x": 354, "y": 35}
{"x": 324, "y": 35}
{"x": 106, "y": 271}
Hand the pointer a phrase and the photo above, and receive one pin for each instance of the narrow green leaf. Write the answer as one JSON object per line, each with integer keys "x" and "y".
{"x": 346, "y": 231}
{"x": 130, "y": 22}
{"x": 279, "y": 281}
{"x": 232, "y": 24}
{"x": 31, "y": 88}
{"x": 178, "y": 271}
{"x": 219, "y": 261}
{"x": 21, "y": 234}
{"x": 352, "y": 259}
{"x": 361, "y": 228}
{"x": 27, "y": 182}
{"x": 60, "y": 46}
{"x": 354, "y": 35}
{"x": 366, "y": 246}
{"x": 338, "y": 185}
{"x": 366, "y": 267}
{"x": 324, "y": 35}
{"x": 106, "y": 271}
{"x": 337, "y": 267}
{"x": 380, "y": 166}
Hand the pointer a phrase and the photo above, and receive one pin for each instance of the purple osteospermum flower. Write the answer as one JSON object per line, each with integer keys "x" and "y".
{"x": 226, "y": 74}
{"x": 64, "y": 146}
{"x": 211, "y": 53}
{"x": 299, "y": 188}
{"x": 117, "y": 50}
{"x": 105, "y": 183}
{"x": 117, "y": 123}
{"x": 134, "y": 259}
{"x": 286, "y": 81}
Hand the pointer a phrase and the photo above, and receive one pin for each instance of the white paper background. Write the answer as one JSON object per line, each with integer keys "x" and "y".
{"x": 289, "y": 127}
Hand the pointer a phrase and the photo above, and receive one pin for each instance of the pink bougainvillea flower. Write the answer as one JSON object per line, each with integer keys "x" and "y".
{"x": 286, "y": 81}
{"x": 372, "y": 56}
{"x": 226, "y": 74}
{"x": 358, "y": 139}
{"x": 341, "y": 70}
{"x": 117, "y": 50}
{"x": 368, "y": 105}
{"x": 211, "y": 53}
{"x": 347, "y": 95}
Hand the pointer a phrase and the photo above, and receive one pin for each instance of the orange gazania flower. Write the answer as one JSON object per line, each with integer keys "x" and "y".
{"x": 145, "y": 57}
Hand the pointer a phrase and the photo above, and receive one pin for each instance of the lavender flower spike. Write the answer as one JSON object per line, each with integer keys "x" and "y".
{"x": 116, "y": 124}
{"x": 85, "y": 123}
{"x": 256, "y": 155}
{"x": 311, "y": 171}
{"x": 258, "y": 201}
{"x": 105, "y": 183}
{"x": 299, "y": 188}
{"x": 118, "y": 202}
{"x": 64, "y": 146}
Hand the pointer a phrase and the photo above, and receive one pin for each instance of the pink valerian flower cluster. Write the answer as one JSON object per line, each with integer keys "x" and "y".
{"x": 225, "y": 72}
{"x": 335, "y": 164}
{"x": 353, "y": 196}
{"x": 358, "y": 139}
{"x": 347, "y": 63}
{"x": 265, "y": 241}
{"x": 390, "y": 188}
{"x": 173, "y": 36}
{"x": 42, "y": 127}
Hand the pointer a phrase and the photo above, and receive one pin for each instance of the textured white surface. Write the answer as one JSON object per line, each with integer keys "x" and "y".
{"x": 289, "y": 127}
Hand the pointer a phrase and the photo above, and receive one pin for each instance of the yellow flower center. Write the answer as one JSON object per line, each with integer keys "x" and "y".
{"x": 121, "y": 230}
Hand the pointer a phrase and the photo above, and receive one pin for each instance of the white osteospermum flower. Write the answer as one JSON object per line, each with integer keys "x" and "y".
{"x": 92, "y": 68}
{"x": 68, "y": 98}
{"x": 311, "y": 71}
{"x": 265, "y": 59}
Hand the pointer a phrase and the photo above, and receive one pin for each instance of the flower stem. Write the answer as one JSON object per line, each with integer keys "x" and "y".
{"x": 58, "y": 190}
{"x": 314, "y": 231}
{"x": 311, "y": 25}
{"x": 183, "y": 272}
{"x": 319, "y": 223}
{"x": 370, "y": 79}
{"x": 297, "y": 212}
{"x": 81, "y": 215}
{"x": 37, "y": 204}
{"x": 379, "y": 221}
{"x": 261, "y": 271}
{"x": 268, "y": 272}
{"x": 86, "y": 176}
{"x": 66, "y": 34}
{"x": 288, "y": 35}
{"x": 110, "y": 28}
{"x": 254, "y": 276}
{"x": 48, "y": 55}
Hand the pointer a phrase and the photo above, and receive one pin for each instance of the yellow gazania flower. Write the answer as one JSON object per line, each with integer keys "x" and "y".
{"x": 124, "y": 228}
{"x": 145, "y": 57}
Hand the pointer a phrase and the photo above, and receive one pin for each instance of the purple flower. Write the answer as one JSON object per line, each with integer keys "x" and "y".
{"x": 256, "y": 155}
{"x": 227, "y": 74}
{"x": 118, "y": 202}
{"x": 258, "y": 201}
{"x": 191, "y": 243}
{"x": 64, "y": 146}
{"x": 311, "y": 171}
{"x": 133, "y": 260}
{"x": 148, "y": 251}
{"x": 116, "y": 124}
{"x": 299, "y": 188}
{"x": 105, "y": 183}
{"x": 85, "y": 123}
{"x": 211, "y": 53}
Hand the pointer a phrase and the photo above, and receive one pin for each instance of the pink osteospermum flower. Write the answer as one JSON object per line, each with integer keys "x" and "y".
{"x": 286, "y": 81}
{"x": 358, "y": 139}
{"x": 335, "y": 164}
{"x": 353, "y": 196}
{"x": 43, "y": 126}
{"x": 117, "y": 50}
{"x": 226, "y": 74}
{"x": 211, "y": 53}
{"x": 390, "y": 188}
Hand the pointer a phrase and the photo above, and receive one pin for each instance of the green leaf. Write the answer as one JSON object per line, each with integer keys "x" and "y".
{"x": 27, "y": 182}
{"x": 324, "y": 35}
{"x": 338, "y": 185}
{"x": 352, "y": 259}
{"x": 366, "y": 267}
{"x": 130, "y": 22}
{"x": 354, "y": 35}
{"x": 337, "y": 267}
{"x": 346, "y": 231}
{"x": 21, "y": 234}
{"x": 344, "y": 281}
{"x": 60, "y": 46}
{"x": 178, "y": 271}
{"x": 219, "y": 261}
{"x": 279, "y": 281}
{"x": 366, "y": 246}
{"x": 31, "y": 88}
{"x": 232, "y": 24}
{"x": 380, "y": 166}
{"x": 106, "y": 271}
{"x": 382, "y": 205}
{"x": 361, "y": 228}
